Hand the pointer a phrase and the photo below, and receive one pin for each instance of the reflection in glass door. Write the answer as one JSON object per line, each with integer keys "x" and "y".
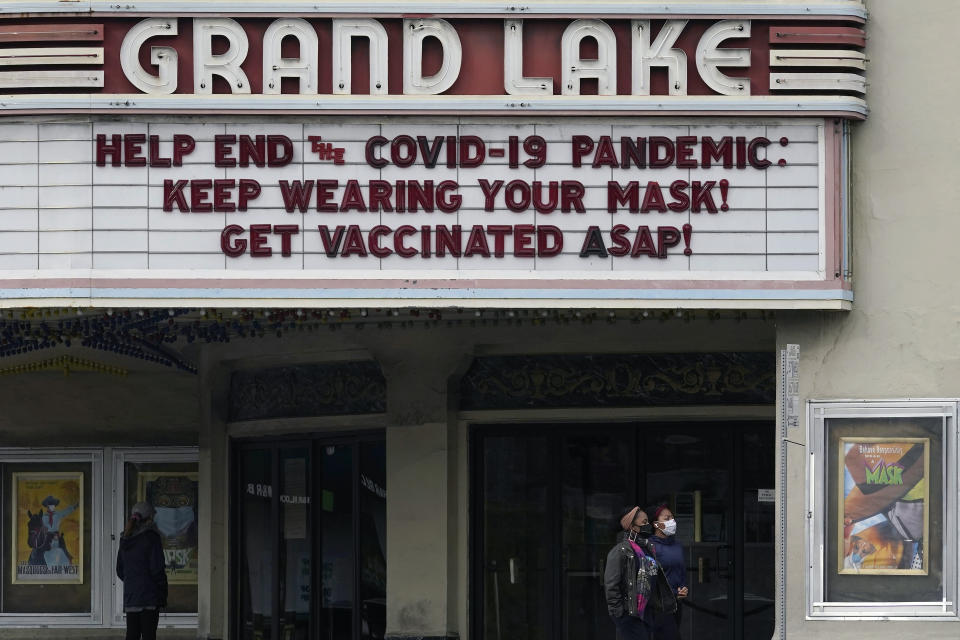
{"x": 516, "y": 583}
{"x": 295, "y": 565}
{"x": 310, "y": 558}
{"x": 335, "y": 542}
{"x": 547, "y": 500}
{"x": 372, "y": 540}
{"x": 256, "y": 542}
{"x": 689, "y": 469}
{"x": 597, "y": 482}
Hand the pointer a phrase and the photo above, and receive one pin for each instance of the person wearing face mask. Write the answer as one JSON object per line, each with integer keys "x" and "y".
{"x": 671, "y": 557}
{"x": 141, "y": 567}
{"x": 635, "y": 587}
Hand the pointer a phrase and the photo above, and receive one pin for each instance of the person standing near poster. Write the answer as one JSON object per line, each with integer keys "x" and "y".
{"x": 141, "y": 567}
{"x": 670, "y": 555}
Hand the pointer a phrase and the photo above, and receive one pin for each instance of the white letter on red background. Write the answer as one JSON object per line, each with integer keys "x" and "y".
{"x": 343, "y": 33}
{"x": 513, "y": 81}
{"x": 414, "y": 33}
{"x": 226, "y": 65}
{"x": 165, "y": 58}
{"x": 710, "y": 56}
{"x": 604, "y": 68}
{"x": 659, "y": 54}
{"x": 276, "y": 67}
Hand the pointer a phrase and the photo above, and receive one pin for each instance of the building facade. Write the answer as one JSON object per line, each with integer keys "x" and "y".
{"x": 392, "y": 313}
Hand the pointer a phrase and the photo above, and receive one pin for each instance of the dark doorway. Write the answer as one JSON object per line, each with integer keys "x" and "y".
{"x": 309, "y": 557}
{"x": 547, "y": 500}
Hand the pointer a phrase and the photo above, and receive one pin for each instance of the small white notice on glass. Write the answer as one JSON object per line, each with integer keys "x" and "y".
{"x": 766, "y": 495}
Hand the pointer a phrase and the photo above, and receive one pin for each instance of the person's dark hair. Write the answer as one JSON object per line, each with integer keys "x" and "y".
{"x": 132, "y": 523}
{"x": 653, "y": 509}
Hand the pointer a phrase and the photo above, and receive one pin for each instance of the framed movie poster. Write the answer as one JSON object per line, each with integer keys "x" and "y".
{"x": 174, "y": 496}
{"x": 47, "y": 527}
{"x": 884, "y": 506}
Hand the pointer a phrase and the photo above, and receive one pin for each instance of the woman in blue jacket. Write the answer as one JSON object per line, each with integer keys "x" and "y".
{"x": 672, "y": 560}
{"x": 141, "y": 567}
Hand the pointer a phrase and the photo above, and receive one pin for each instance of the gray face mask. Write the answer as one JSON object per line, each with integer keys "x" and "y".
{"x": 173, "y": 521}
{"x": 670, "y": 527}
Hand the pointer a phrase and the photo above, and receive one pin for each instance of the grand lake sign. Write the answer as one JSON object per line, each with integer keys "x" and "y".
{"x": 469, "y": 159}
{"x": 772, "y": 62}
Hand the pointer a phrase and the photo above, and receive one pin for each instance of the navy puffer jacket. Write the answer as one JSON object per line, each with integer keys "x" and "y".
{"x": 141, "y": 567}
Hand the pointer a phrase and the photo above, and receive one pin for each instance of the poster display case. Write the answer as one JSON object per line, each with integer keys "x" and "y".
{"x": 63, "y": 511}
{"x": 51, "y": 565}
{"x": 883, "y": 537}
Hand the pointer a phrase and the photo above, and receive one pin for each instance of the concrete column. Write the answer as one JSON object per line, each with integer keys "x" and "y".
{"x": 422, "y": 534}
{"x": 214, "y": 541}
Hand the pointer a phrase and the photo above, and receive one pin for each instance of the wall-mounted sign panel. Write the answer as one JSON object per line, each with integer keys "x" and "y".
{"x": 455, "y": 63}
{"x": 461, "y": 211}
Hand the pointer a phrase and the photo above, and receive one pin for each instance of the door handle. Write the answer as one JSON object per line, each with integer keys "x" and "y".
{"x": 703, "y": 569}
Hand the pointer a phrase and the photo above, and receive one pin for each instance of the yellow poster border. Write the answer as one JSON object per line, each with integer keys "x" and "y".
{"x": 15, "y": 480}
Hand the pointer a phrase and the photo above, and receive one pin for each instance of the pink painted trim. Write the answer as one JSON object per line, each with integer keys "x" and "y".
{"x": 836, "y": 207}
{"x": 399, "y": 283}
{"x": 831, "y": 189}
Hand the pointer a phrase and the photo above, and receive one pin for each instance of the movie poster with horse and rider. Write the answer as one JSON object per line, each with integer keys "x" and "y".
{"x": 48, "y": 528}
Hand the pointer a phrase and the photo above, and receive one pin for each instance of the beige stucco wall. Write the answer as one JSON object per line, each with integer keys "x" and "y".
{"x": 901, "y": 339}
{"x": 51, "y": 409}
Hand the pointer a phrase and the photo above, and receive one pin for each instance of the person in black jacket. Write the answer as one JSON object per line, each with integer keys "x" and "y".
{"x": 634, "y": 585}
{"x": 141, "y": 567}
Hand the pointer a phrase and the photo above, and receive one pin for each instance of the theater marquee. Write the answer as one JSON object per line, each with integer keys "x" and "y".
{"x": 322, "y": 159}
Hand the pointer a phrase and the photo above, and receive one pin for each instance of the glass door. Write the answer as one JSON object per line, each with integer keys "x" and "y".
{"x": 335, "y": 542}
{"x": 310, "y": 558}
{"x": 255, "y": 544}
{"x": 597, "y": 482}
{"x": 516, "y": 572}
{"x": 690, "y": 468}
{"x": 295, "y": 534}
{"x": 547, "y": 500}
{"x": 758, "y": 525}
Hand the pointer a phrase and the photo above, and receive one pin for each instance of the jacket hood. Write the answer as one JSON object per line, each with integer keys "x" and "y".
{"x": 140, "y": 530}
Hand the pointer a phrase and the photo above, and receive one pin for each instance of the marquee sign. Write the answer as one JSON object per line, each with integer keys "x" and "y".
{"x": 284, "y": 152}
{"x": 435, "y": 63}
{"x": 472, "y": 211}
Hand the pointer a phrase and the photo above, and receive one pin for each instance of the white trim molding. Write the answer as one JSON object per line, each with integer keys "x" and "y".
{"x": 290, "y": 104}
{"x": 839, "y": 9}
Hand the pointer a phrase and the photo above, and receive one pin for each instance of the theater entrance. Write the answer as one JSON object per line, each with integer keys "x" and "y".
{"x": 309, "y": 531}
{"x": 547, "y": 500}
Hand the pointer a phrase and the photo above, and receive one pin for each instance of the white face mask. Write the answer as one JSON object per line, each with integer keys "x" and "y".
{"x": 670, "y": 527}
{"x": 173, "y": 521}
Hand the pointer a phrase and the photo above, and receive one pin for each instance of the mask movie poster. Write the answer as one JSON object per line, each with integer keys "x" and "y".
{"x": 174, "y": 496}
{"x": 47, "y": 521}
{"x": 884, "y": 505}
